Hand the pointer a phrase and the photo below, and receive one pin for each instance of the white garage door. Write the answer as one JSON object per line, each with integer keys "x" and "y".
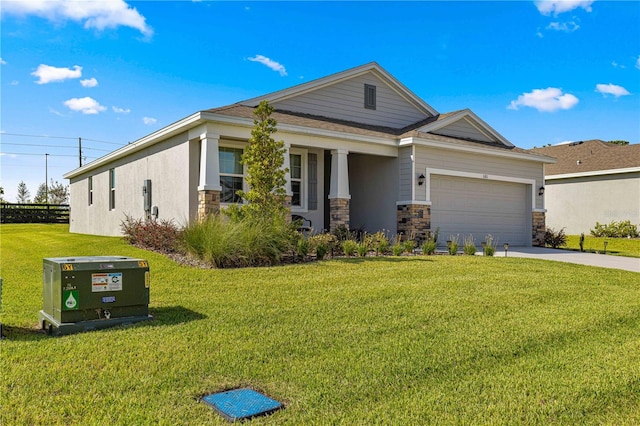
{"x": 478, "y": 207}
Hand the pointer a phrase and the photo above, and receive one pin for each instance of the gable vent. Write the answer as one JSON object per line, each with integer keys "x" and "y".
{"x": 369, "y": 96}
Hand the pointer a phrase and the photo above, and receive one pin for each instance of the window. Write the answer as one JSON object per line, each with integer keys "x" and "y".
{"x": 298, "y": 178}
{"x": 231, "y": 174}
{"x": 369, "y": 96}
{"x": 112, "y": 189}
{"x": 295, "y": 161}
{"x": 90, "y": 190}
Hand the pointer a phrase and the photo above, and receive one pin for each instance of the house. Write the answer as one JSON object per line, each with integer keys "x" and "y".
{"x": 592, "y": 181}
{"x": 363, "y": 151}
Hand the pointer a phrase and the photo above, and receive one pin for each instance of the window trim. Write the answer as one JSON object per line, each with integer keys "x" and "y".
{"x": 240, "y": 146}
{"x": 112, "y": 189}
{"x": 304, "y": 178}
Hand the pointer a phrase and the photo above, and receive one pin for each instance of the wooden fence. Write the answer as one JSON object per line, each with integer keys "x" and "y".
{"x": 34, "y": 213}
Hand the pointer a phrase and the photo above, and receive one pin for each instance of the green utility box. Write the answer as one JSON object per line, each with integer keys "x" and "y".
{"x": 87, "y": 293}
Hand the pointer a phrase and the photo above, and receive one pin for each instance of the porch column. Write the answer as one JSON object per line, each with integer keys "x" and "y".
{"x": 339, "y": 196}
{"x": 287, "y": 177}
{"x": 209, "y": 184}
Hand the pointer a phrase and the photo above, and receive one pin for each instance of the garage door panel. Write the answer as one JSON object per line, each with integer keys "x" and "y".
{"x": 465, "y": 206}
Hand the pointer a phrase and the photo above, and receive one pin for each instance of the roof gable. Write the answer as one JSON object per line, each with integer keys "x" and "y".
{"x": 341, "y": 96}
{"x": 466, "y": 125}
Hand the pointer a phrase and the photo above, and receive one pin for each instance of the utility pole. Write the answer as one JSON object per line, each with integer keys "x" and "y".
{"x": 80, "y": 151}
{"x": 46, "y": 177}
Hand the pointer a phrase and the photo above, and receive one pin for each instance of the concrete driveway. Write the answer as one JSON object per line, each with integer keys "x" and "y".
{"x": 591, "y": 259}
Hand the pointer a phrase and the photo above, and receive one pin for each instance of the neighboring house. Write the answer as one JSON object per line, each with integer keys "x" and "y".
{"x": 592, "y": 181}
{"x": 363, "y": 151}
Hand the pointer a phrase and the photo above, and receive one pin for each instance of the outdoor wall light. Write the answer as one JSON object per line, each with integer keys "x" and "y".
{"x": 506, "y": 249}
{"x": 541, "y": 191}
{"x": 421, "y": 179}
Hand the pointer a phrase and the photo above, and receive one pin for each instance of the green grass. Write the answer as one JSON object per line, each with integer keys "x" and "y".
{"x": 628, "y": 247}
{"x": 396, "y": 340}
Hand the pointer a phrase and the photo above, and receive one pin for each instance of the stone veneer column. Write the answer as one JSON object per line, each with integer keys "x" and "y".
{"x": 414, "y": 221}
{"x": 538, "y": 228}
{"x": 208, "y": 203}
{"x": 339, "y": 196}
{"x": 338, "y": 213}
{"x": 209, "y": 188}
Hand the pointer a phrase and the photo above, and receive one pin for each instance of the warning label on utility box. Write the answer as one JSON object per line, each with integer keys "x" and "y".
{"x": 106, "y": 282}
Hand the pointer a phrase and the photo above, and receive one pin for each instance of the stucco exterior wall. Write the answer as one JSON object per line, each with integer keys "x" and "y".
{"x": 166, "y": 164}
{"x": 577, "y": 203}
{"x": 373, "y": 182}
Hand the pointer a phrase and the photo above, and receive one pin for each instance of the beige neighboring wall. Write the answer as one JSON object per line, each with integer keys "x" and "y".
{"x": 576, "y": 203}
{"x": 165, "y": 163}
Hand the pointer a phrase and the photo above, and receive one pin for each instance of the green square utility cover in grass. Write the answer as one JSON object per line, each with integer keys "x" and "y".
{"x": 241, "y": 404}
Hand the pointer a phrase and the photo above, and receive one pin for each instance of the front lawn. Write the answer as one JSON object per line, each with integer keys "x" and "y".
{"x": 629, "y": 247}
{"x": 411, "y": 340}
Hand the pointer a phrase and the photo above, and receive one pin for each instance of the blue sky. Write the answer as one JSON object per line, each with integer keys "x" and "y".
{"x": 113, "y": 71}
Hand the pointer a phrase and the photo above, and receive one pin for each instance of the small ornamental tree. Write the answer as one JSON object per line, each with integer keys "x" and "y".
{"x": 23, "y": 193}
{"x": 264, "y": 158}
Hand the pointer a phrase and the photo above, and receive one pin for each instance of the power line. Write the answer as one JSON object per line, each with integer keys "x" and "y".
{"x": 61, "y": 137}
{"x": 25, "y": 153}
{"x": 53, "y": 146}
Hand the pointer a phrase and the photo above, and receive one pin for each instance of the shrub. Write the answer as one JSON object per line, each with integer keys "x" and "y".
{"x": 582, "y": 242}
{"x": 429, "y": 247}
{"x": 469, "y": 246}
{"x": 555, "y": 239}
{"x": 397, "y": 249}
{"x": 615, "y": 229}
{"x": 158, "y": 235}
{"x": 235, "y": 243}
{"x": 490, "y": 246}
{"x": 302, "y": 247}
{"x": 322, "y": 244}
{"x": 362, "y": 249}
{"x": 378, "y": 241}
{"x": 452, "y": 245}
{"x": 409, "y": 245}
{"x": 349, "y": 247}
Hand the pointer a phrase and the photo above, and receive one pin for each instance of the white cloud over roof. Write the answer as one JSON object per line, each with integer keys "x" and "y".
{"x": 94, "y": 14}
{"x": 276, "y": 66}
{"x": 48, "y": 74}
{"x": 556, "y": 7}
{"x": 612, "y": 89}
{"x": 546, "y": 100}
{"x": 84, "y": 105}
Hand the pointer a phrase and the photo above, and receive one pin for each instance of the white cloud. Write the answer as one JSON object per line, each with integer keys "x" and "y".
{"x": 270, "y": 63}
{"x": 90, "y": 82}
{"x": 612, "y": 89}
{"x": 567, "y": 27}
{"x": 149, "y": 120}
{"x": 3, "y": 62}
{"x": 118, "y": 110}
{"x": 15, "y": 82}
{"x": 638, "y": 63}
{"x": 547, "y": 100}
{"x": 547, "y": 7}
{"x": 85, "y": 105}
{"x": 617, "y": 65}
{"x": 94, "y": 14}
{"x": 49, "y": 74}
{"x": 58, "y": 113}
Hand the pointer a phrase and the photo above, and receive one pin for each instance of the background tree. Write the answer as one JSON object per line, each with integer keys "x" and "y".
{"x": 58, "y": 193}
{"x": 264, "y": 158}
{"x": 1, "y": 194}
{"x": 619, "y": 142}
{"x": 23, "y": 193}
